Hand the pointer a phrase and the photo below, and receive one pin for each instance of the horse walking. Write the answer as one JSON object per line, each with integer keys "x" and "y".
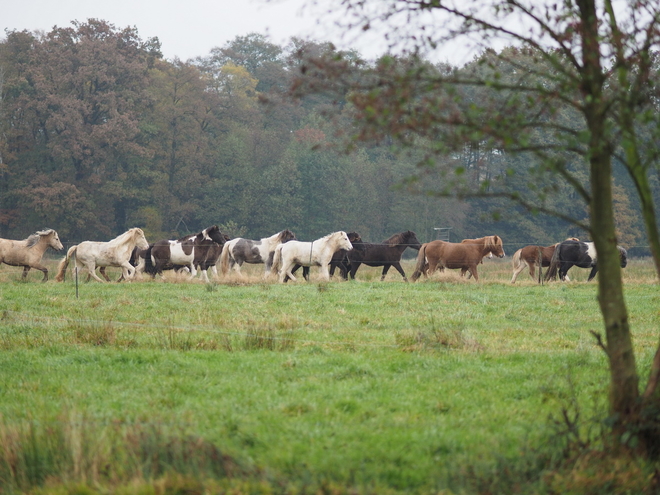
{"x": 577, "y": 253}
{"x": 116, "y": 252}
{"x": 529, "y": 256}
{"x": 386, "y": 254}
{"x": 197, "y": 251}
{"x": 239, "y": 251}
{"x": 339, "y": 259}
{"x": 29, "y": 252}
{"x": 463, "y": 256}
{"x": 316, "y": 253}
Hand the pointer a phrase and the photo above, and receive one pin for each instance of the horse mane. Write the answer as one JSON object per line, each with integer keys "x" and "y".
{"x": 186, "y": 237}
{"x": 33, "y": 239}
{"x": 395, "y": 239}
{"x": 126, "y": 235}
{"x": 492, "y": 240}
{"x": 284, "y": 233}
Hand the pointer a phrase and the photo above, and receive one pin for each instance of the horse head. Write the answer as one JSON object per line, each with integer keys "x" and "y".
{"x": 341, "y": 240}
{"x": 286, "y": 236}
{"x": 140, "y": 239}
{"x": 411, "y": 240}
{"x": 53, "y": 239}
{"x": 214, "y": 234}
{"x": 494, "y": 245}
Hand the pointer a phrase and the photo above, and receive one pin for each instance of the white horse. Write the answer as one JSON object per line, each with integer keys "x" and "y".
{"x": 29, "y": 252}
{"x": 117, "y": 252}
{"x": 315, "y": 253}
{"x": 239, "y": 251}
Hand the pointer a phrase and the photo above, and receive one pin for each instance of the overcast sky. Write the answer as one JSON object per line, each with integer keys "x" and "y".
{"x": 186, "y": 28}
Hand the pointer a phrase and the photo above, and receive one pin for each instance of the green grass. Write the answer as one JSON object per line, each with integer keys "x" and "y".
{"x": 362, "y": 385}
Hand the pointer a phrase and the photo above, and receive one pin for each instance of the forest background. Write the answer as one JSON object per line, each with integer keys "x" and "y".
{"x": 100, "y": 133}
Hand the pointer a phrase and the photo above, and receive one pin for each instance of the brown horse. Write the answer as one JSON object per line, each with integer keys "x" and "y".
{"x": 529, "y": 256}
{"x": 463, "y": 256}
{"x": 28, "y": 252}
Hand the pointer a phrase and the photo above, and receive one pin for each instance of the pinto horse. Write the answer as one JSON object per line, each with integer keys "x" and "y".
{"x": 195, "y": 251}
{"x": 452, "y": 255}
{"x": 316, "y": 253}
{"x": 115, "y": 252}
{"x": 386, "y": 254}
{"x": 239, "y": 251}
{"x": 577, "y": 253}
{"x": 29, "y": 252}
{"x": 529, "y": 256}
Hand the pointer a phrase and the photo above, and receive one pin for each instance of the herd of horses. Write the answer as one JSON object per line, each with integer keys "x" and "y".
{"x": 283, "y": 254}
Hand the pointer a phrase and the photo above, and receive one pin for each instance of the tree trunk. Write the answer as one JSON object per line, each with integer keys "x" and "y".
{"x": 624, "y": 381}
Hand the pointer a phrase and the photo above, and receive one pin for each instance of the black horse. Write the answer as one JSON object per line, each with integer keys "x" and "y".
{"x": 386, "y": 254}
{"x": 339, "y": 259}
{"x": 578, "y": 253}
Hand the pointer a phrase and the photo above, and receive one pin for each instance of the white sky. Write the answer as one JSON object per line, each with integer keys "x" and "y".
{"x": 186, "y": 28}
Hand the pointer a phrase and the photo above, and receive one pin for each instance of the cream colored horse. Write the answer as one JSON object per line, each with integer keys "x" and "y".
{"x": 117, "y": 252}
{"x": 29, "y": 252}
{"x": 316, "y": 253}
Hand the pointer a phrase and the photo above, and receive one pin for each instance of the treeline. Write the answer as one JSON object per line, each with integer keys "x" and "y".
{"x": 99, "y": 133}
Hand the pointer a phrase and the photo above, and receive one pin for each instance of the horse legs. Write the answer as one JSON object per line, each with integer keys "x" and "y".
{"x": 107, "y": 279}
{"x": 431, "y": 267}
{"x": 517, "y": 270}
{"x": 41, "y": 268}
{"x": 344, "y": 267}
{"x": 286, "y": 274}
{"x": 473, "y": 271}
{"x": 354, "y": 268}
{"x": 398, "y": 268}
{"x": 325, "y": 272}
{"x": 91, "y": 269}
{"x": 593, "y": 273}
{"x": 128, "y": 271}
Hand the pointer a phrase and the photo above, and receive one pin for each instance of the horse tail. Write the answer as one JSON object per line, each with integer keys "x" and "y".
{"x": 277, "y": 259}
{"x": 421, "y": 261}
{"x": 149, "y": 266}
{"x": 224, "y": 259}
{"x": 61, "y": 268}
{"x": 551, "y": 274}
{"x": 516, "y": 259}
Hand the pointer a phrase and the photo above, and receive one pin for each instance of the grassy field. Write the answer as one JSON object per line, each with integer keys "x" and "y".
{"x": 172, "y": 386}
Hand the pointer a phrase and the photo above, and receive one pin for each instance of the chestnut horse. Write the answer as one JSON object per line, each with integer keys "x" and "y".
{"x": 28, "y": 252}
{"x": 452, "y": 255}
{"x": 529, "y": 256}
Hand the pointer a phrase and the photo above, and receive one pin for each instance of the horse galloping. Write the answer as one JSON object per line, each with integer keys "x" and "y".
{"x": 529, "y": 256}
{"x": 29, "y": 252}
{"x": 239, "y": 251}
{"x": 315, "y": 253}
{"x": 116, "y": 252}
{"x": 195, "y": 251}
{"x": 577, "y": 253}
{"x": 386, "y": 254}
{"x": 452, "y": 255}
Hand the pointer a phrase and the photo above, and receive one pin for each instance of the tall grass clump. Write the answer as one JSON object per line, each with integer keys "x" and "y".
{"x": 77, "y": 449}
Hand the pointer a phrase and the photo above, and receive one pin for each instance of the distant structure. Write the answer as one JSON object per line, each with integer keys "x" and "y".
{"x": 442, "y": 233}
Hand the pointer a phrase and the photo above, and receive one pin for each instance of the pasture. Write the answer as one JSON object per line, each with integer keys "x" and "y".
{"x": 446, "y": 385}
